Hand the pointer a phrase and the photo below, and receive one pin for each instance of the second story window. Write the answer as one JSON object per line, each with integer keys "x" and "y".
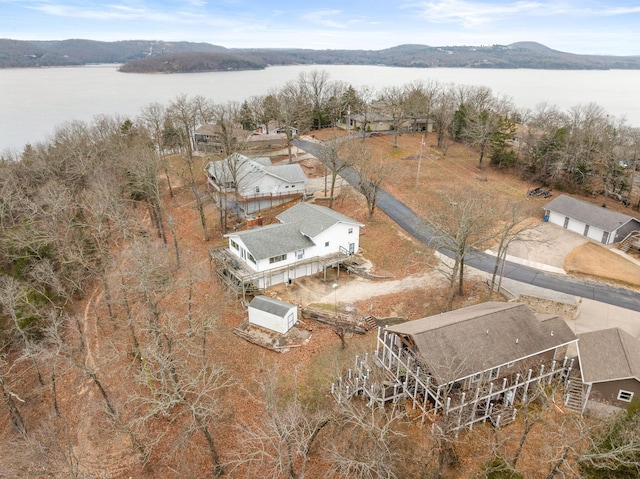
{"x": 277, "y": 259}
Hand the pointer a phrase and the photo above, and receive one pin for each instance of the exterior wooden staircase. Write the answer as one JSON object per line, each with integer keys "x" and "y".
{"x": 630, "y": 239}
{"x": 574, "y": 394}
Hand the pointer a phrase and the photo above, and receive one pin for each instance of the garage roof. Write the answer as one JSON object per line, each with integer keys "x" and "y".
{"x": 589, "y": 213}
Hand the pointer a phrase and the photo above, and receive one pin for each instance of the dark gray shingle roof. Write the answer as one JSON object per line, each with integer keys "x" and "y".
{"x": 273, "y": 240}
{"x": 313, "y": 219}
{"x": 588, "y": 213}
{"x": 608, "y": 354}
{"x": 459, "y": 343}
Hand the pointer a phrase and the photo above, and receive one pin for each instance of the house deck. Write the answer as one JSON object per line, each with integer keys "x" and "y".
{"x": 242, "y": 279}
{"x": 394, "y": 373}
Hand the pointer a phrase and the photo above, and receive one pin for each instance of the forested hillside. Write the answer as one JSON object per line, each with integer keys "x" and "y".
{"x": 15, "y": 53}
{"x": 191, "y": 62}
{"x": 18, "y": 54}
{"x": 117, "y": 356}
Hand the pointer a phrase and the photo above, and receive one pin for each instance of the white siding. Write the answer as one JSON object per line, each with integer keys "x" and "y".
{"x": 273, "y": 322}
{"x": 576, "y": 226}
{"x": 271, "y": 184}
{"x": 595, "y": 233}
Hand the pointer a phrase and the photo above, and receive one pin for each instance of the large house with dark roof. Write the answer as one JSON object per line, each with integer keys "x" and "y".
{"x": 595, "y": 222}
{"x": 260, "y": 184}
{"x": 308, "y": 239}
{"x": 471, "y": 364}
{"x": 610, "y": 367}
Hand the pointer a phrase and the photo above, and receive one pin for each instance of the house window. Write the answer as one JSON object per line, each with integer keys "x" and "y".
{"x": 476, "y": 377}
{"x": 251, "y": 258}
{"x": 257, "y": 189}
{"x": 234, "y": 245}
{"x": 566, "y": 222}
{"x": 300, "y": 254}
{"x": 586, "y": 230}
{"x": 278, "y": 258}
{"x": 326, "y": 244}
{"x": 625, "y": 396}
{"x": 350, "y": 230}
{"x": 605, "y": 237}
{"x": 494, "y": 373}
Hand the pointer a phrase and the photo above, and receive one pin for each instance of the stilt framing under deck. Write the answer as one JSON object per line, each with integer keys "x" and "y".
{"x": 393, "y": 373}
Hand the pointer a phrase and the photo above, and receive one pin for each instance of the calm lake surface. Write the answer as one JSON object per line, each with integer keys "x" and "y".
{"x": 33, "y": 102}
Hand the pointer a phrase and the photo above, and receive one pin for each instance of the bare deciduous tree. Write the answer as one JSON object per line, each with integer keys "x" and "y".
{"x": 461, "y": 221}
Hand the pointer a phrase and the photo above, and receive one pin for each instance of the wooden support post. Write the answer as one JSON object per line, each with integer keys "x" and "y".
{"x": 525, "y": 393}
{"x": 462, "y": 402}
{"x": 415, "y": 390}
{"x": 489, "y": 397}
{"x": 384, "y": 346}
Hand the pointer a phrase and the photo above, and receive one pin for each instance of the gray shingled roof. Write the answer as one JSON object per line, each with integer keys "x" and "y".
{"x": 291, "y": 173}
{"x": 273, "y": 240}
{"x": 588, "y": 213}
{"x": 271, "y": 305}
{"x": 459, "y": 343}
{"x": 248, "y": 171}
{"x": 608, "y": 354}
{"x": 313, "y": 219}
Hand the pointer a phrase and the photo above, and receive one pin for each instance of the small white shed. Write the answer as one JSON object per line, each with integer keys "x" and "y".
{"x": 272, "y": 314}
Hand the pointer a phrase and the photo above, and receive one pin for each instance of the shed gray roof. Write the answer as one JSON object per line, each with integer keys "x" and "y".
{"x": 588, "y": 213}
{"x": 272, "y": 240}
{"x": 608, "y": 354}
{"x": 313, "y": 219}
{"x": 271, "y": 305}
{"x": 459, "y": 343}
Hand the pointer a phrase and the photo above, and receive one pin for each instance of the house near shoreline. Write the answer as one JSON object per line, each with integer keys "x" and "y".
{"x": 470, "y": 365}
{"x": 594, "y": 222}
{"x": 210, "y": 138}
{"x": 260, "y": 184}
{"x": 377, "y": 121}
{"x": 307, "y": 240}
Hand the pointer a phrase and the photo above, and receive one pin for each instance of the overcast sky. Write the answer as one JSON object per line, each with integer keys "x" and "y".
{"x": 589, "y": 27}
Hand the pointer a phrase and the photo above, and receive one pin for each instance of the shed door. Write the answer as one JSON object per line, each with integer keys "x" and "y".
{"x": 290, "y": 321}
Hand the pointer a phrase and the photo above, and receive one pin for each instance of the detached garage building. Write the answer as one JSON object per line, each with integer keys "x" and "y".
{"x": 595, "y": 222}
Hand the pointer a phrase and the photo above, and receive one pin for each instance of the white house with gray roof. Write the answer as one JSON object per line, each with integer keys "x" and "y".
{"x": 261, "y": 184}
{"x": 595, "y": 222}
{"x": 297, "y": 246}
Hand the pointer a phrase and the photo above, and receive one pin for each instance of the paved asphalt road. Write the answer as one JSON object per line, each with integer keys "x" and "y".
{"x": 410, "y": 221}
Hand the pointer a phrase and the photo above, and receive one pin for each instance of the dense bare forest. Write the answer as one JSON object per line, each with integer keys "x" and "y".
{"x": 115, "y": 353}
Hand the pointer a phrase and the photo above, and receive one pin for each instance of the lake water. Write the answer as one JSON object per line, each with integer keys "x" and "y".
{"x": 34, "y": 101}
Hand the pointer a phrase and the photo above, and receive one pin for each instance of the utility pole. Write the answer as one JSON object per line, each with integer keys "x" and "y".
{"x": 422, "y": 143}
